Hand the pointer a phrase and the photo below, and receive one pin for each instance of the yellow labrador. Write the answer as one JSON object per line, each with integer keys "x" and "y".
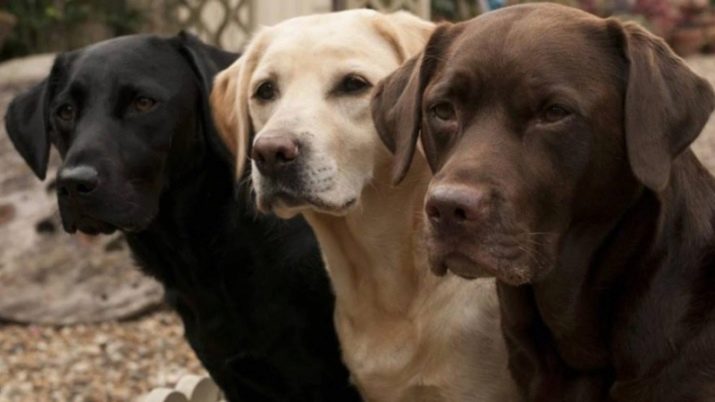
{"x": 302, "y": 92}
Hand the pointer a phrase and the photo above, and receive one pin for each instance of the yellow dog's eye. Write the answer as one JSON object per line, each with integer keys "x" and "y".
{"x": 352, "y": 84}
{"x": 143, "y": 104}
{"x": 266, "y": 91}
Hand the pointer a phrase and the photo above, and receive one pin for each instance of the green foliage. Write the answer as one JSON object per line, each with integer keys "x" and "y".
{"x": 55, "y": 25}
{"x": 445, "y": 9}
{"x": 454, "y": 10}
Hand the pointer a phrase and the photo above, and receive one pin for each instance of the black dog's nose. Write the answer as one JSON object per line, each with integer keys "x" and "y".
{"x": 273, "y": 152}
{"x": 451, "y": 206}
{"x": 77, "y": 181}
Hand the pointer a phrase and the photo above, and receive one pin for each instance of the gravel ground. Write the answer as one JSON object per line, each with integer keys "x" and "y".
{"x": 114, "y": 361}
{"x": 120, "y": 361}
{"x": 111, "y": 361}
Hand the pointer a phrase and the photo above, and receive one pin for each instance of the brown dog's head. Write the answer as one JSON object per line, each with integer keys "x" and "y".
{"x": 536, "y": 120}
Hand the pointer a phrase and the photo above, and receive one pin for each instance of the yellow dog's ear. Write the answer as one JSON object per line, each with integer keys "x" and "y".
{"x": 406, "y": 33}
{"x": 223, "y": 98}
{"x": 229, "y": 102}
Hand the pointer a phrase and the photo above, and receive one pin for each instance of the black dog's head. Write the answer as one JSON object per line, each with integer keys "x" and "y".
{"x": 128, "y": 116}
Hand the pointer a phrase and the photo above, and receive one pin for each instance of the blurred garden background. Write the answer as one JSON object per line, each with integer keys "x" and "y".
{"x": 39, "y": 26}
{"x": 78, "y": 322}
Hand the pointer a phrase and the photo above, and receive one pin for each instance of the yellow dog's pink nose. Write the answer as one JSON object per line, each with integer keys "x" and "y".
{"x": 272, "y": 152}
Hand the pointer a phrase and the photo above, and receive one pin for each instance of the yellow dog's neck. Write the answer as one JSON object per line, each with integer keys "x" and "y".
{"x": 373, "y": 255}
{"x": 404, "y": 332}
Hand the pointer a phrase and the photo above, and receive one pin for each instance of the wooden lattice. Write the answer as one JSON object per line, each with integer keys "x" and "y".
{"x": 225, "y": 23}
{"x": 418, "y": 7}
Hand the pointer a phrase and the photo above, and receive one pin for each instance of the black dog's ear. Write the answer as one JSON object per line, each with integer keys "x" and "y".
{"x": 27, "y": 125}
{"x": 397, "y": 104}
{"x": 666, "y": 105}
{"x": 206, "y": 61}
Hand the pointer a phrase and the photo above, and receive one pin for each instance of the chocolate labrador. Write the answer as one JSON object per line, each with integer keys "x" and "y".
{"x": 560, "y": 147}
{"x": 131, "y": 120}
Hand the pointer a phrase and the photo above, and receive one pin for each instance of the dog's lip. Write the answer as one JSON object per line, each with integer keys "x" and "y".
{"x": 461, "y": 265}
{"x": 292, "y": 200}
{"x": 91, "y": 225}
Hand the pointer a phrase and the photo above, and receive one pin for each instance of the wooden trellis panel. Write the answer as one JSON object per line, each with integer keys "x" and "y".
{"x": 229, "y": 23}
{"x": 417, "y": 7}
{"x": 225, "y": 23}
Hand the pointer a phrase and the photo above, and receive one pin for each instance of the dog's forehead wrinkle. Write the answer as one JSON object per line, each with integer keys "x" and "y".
{"x": 340, "y": 23}
{"x": 287, "y": 72}
{"x": 326, "y": 41}
{"x": 307, "y": 43}
{"x": 557, "y": 76}
{"x": 97, "y": 73}
{"x": 531, "y": 40}
{"x": 118, "y": 54}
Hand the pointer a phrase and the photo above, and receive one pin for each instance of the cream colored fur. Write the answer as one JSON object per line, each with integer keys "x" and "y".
{"x": 406, "y": 335}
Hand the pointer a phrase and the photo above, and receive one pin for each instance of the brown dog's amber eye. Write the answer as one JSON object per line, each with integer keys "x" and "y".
{"x": 443, "y": 111}
{"x": 143, "y": 104}
{"x": 66, "y": 112}
{"x": 353, "y": 84}
{"x": 266, "y": 91}
{"x": 554, "y": 113}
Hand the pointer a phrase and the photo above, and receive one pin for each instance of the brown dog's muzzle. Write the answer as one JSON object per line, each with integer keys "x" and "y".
{"x": 472, "y": 232}
{"x": 455, "y": 213}
{"x": 452, "y": 208}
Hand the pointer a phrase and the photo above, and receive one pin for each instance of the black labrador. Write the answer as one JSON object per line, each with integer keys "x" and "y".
{"x": 560, "y": 146}
{"x": 131, "y": 121}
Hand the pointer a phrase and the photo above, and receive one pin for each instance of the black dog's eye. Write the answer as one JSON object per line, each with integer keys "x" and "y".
{"x": 443, "y": 111}
{"x": 143, "y": 104}
{"x": 66, "y": 113}
{"x": 266, "y": 91}
{"x": 554, "y": 113}
{"x": 353, "y": 84}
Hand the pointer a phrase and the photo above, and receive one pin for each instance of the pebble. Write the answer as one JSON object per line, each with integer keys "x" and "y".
{"x": 107, "y": 362}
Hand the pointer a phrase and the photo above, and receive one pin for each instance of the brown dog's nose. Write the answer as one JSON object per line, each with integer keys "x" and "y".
{"x": 77, "y": 181}
{"x": 449, "y": 206}
{"x": 274, "y": 152}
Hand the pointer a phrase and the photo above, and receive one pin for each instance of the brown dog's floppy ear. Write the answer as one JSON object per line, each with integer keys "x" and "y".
{"x": 396, "y": 112}
{"x": 397, "y": 103}
{"x": 407, "y": 35}
{"x": 229, "y": 102}
{"x": 666, "y": 106}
